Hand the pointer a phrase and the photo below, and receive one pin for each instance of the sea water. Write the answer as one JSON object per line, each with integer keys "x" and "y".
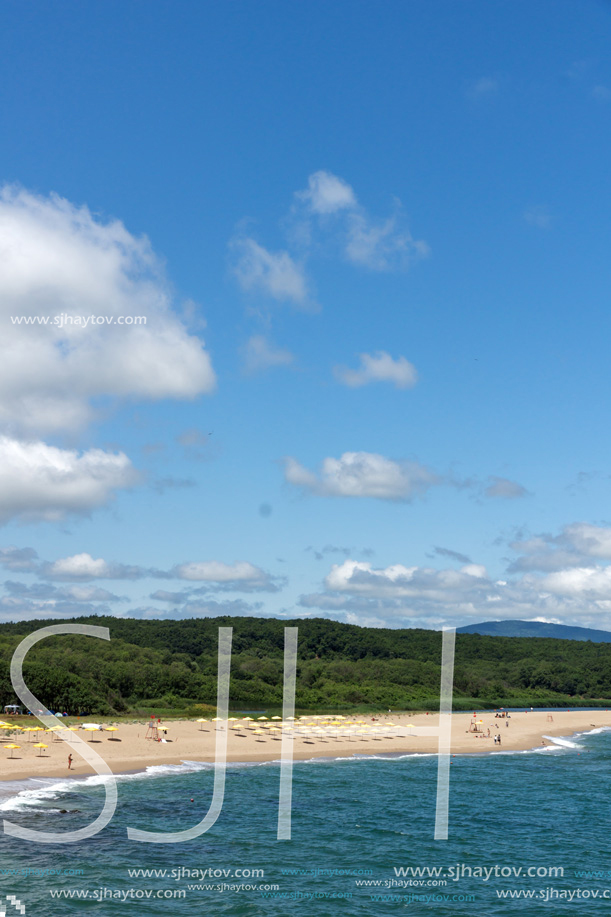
{"x": 362, "y": 839}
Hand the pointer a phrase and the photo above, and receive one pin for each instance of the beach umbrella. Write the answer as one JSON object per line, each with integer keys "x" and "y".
{"x": 290, "y": 717}
{"x": 247, "y": 718}
{"x": 261, "y": 717}
{"x": 233, "y": 719}
{"x": 276, "y": 717}
{"x": 91, "y": 729}
{"x": 12, "y": 748}
{"x": 201, "y": 729}
{"x": 110, "y": 729}
{"x": 217, "y": 719}
{"x": 40, "y": 745}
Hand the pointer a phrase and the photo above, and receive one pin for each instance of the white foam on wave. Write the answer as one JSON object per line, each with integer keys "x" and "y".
{"x": 563, "y": 743}
{"x": 595, "y": 731}
{"x": 39, "y": 792}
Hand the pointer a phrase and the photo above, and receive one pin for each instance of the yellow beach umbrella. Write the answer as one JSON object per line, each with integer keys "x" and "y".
{"x": 247, "y": 717}
{"x": 233, "y": 719}
{"x": 261, "y": 717}
{"x": 276, "y": 717}
{"x": 217, "y": 719}
{"x": 40, "y": 745}
{"x": 12, "y": 748}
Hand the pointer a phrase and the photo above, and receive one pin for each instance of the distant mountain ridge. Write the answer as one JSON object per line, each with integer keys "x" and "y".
{"x": 535, "y": 629}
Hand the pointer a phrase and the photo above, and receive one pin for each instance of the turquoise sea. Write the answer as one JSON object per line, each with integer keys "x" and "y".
{"x": 355, "y": 821}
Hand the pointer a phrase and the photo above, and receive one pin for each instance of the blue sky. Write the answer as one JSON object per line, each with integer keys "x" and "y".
{"x": 371, "y": 246}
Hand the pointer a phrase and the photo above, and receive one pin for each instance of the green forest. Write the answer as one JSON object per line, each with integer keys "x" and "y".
{"x": 170, "y": 666}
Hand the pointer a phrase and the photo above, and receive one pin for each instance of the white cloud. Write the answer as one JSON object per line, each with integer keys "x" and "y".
{"x": 274, "y": 273}
{"x": 56, "y": 258}
{"x": 326, "y": 193}
{"x": 400, "y": 595}
{"x": 260, "y": 355}
{"x": 576, "y": 546}
{"x": 398, "y": 580}
{"x": 382, "y": 245}
{"x": 79, "y": 566}
{"x": 214, "y": 571}
{"x": 580, "y": 582}
{"x": 362, "y": 474}
{"x": 378, "y": 367}
{"x": 504, "y": 489}
{"x": 21, "y": 560}
{"x": 38, "y": 481}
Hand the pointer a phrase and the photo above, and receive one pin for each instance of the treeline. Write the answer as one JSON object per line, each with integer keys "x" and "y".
{"x": 172, "y": 665}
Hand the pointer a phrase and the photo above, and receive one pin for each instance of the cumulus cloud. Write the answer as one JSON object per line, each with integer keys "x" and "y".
{"x": 58, "y": 259}
{"x": 325, "y": 217}
{"x": 398, "y": 580}
{"x": 400, "y": 595}
{"x": 41, "y": 482}
{"x": 362, "y": 474}
{"x": 46, "y": 592}
{"x": 382, "y": 245}
{"x": 577, "y": 545}
{"x": 241, "y": 576}
{"x": 326, "y": 193}
{"x": 583, "y": 582}
{"x": 19, "y": 560}
{"x": 378, "y": 367}
{"x": 259, "y": 355}
{"x": 17, "y": 608}
{"x": 378, "y": 244}
{"x": 504, "y": 489}
{"x": 276, "y": 274}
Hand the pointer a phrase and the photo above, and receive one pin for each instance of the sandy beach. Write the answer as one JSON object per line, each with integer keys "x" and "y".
{"x": 127, "y": 747}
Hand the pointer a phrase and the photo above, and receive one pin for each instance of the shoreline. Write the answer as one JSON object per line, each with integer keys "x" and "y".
{"x": 186, "y": 740}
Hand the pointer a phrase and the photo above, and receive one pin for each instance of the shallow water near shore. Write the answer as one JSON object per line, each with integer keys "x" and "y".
{"x": 355, "y": 820}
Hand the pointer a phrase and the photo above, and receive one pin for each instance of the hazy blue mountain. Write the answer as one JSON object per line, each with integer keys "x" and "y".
{"x": 535, "y": 629}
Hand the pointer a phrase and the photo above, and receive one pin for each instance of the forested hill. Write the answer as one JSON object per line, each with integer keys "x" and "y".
{"x": 171, "y": 665}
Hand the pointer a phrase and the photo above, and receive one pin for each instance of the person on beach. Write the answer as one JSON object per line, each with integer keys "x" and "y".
{"x": 69, "y": 762}
{"x": 499, "y": 738}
